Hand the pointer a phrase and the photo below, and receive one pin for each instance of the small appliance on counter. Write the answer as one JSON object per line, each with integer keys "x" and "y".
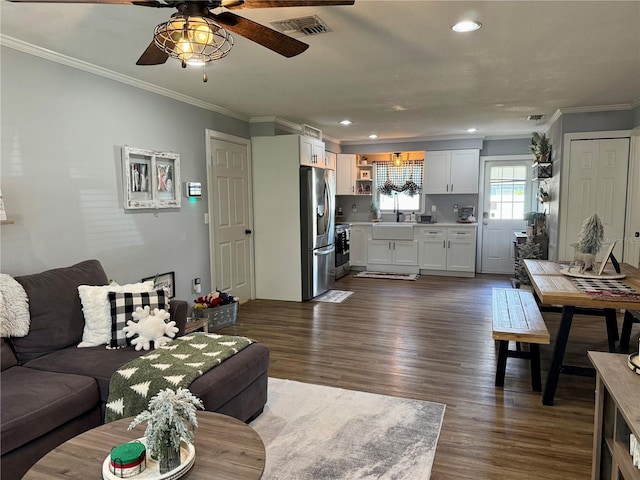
{"x": 466, "y": 214}
{"x": 425, "y": 218}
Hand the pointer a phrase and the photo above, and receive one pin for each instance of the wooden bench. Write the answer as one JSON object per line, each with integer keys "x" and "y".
{"x": 516, "y": 317}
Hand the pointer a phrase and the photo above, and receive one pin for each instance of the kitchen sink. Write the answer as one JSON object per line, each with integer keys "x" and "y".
{"x": 392, "y": 231}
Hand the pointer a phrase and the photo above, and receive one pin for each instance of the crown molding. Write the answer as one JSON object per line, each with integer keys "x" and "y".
{"x": 277, "y": 120}
{"x": 52, "y": 56}
{"x": 412, "y": 139}
{"x": 599, "y": 108}
{"x": 593, "y": 109}
{"x": 287, "y": 123}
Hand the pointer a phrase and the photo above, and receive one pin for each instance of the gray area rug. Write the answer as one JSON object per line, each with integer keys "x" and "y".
{"x": 316, "y": 432}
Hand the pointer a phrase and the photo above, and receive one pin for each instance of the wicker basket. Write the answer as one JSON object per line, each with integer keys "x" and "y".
{"x": 222, "y": 316}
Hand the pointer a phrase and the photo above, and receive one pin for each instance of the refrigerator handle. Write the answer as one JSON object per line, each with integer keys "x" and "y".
{"x": 329, "y": 250}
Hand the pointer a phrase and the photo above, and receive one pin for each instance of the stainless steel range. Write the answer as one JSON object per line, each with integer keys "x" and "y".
{"x": 343, "y": 234}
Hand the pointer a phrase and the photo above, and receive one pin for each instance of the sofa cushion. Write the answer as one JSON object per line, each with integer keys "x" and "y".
{"x": 226, "y": 381}
{"x": 55, "y": 309}
{"x": 124, "y": 305}
{"x": 8, "y": 358}
{"x": 97, "y": 310}
{"x": 35, "y": 402}
{"x": 216, "y": 387}
{"x": 96, "y": 362}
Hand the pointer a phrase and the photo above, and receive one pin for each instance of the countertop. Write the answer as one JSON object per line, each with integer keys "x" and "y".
{"x": 432, "y": 225}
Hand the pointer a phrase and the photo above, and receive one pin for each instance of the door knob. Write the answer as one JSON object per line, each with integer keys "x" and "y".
{"x": 247, "y": 231}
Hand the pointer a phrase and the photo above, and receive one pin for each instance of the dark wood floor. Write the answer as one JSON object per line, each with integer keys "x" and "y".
{"x": 431, "y": 340}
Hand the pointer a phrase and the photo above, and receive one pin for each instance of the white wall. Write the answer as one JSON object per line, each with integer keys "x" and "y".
{"x": 60, "y": 175}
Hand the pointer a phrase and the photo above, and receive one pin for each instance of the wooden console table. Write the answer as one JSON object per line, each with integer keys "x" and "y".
{"x": 617, "y": 415}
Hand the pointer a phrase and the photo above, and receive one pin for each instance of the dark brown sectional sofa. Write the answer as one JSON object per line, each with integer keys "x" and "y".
{"x": 52, "y": 391}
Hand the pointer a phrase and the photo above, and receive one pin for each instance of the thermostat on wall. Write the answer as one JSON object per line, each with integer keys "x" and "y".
{"x": 193, "y": 189}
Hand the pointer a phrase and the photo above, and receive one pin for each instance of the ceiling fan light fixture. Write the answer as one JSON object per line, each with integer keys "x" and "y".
{"x": 194, "y": 40}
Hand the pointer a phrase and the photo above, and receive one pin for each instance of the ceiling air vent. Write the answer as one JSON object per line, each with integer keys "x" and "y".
{"x": 303, "y": 26}
{"x": 535, "y": 118}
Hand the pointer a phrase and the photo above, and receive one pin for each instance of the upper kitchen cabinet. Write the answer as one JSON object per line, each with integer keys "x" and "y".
{"x": 346, "y": 174}
{"x": 451, "y": 171}
{"x": 311, "y": 152}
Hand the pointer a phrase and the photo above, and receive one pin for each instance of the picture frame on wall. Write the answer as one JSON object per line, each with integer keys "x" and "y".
{"x": 166, "y": 281}
{"x": 151, "y": 179}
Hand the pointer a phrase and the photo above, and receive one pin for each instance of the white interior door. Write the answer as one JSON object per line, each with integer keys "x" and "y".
{"x": 507, "y": 196}
{"x": 230, "y": 235}
{"x": 598, "y": 184}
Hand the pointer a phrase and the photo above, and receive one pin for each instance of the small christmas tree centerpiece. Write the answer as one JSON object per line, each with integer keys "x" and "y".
{"x": 591, "y": 235}
{"x": 170, "y": 417}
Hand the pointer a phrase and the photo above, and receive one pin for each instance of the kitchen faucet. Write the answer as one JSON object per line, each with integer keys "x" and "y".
{"x": 396, "y": 207}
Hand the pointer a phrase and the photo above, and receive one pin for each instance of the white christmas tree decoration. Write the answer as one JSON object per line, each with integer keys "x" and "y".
{"x": 591, "y": 235}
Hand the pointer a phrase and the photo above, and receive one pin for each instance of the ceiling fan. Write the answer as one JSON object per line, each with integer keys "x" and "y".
{"x": 195, "y": 35}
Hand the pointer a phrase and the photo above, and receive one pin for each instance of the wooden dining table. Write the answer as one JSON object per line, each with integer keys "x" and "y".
{"x": 556, "y": 290}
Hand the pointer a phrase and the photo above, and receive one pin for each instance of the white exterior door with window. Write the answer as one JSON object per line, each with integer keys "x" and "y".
{"x": 507, "y": 196}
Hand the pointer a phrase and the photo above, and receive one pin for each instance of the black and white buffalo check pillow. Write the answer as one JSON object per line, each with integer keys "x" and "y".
{"x": 123, "y": 304}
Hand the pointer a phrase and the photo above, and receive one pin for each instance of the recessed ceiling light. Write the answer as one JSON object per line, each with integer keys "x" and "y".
{"x": 466, "y": 26}
{"x": 345, "y": 122}
{"x": 373, "y": 135}
{"x": 471, "y": 130}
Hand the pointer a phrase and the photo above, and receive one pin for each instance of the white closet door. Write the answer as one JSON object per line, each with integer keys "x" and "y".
{"x": 598, "y": 184}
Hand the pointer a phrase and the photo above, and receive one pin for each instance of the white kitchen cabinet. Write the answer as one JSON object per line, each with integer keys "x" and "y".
{"x": 330, "y": 160}
{"x": 311, "y": 152}
{"x": 451, "y": 172}
{"x": 461, "y": 250}
{"x": 358, "y": 245}
{"x": 447, "y": 249}
{"x": 346, "y": 174}
{"x": 432, "y": 243}
{"x": 392, "y": 252}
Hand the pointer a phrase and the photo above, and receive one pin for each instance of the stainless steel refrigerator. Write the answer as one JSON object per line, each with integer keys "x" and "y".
{"x": 317, "y": 201}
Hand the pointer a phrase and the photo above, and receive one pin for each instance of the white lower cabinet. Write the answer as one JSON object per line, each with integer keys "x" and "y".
{"x": 392, "y": 252}
{"x": 432, "y": 244}
{"x": 447, "y": 249}
{"x": 358, "y": 245}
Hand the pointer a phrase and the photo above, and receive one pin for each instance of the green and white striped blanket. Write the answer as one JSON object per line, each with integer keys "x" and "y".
{"x": 174, "y": 365}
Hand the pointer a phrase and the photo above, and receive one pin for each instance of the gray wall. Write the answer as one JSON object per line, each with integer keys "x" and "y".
{"x": 62, "y": 133}
{"x": 514, "y": 146}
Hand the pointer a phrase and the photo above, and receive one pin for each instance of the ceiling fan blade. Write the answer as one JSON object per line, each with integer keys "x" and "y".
{"x": 285, "y": 3}
{"x": 110, "y": 2}
{"x": 152, "y": 56}
{"x": 265, "y": 36}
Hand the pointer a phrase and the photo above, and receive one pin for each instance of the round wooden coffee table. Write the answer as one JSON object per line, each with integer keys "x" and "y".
{"x": 226, "y": 448}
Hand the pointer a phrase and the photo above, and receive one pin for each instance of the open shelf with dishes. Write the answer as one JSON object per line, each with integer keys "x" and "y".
{"x": 364, "y": 177}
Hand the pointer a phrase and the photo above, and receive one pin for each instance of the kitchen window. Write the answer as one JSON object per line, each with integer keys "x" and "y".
{"x": 399, "y": 187}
